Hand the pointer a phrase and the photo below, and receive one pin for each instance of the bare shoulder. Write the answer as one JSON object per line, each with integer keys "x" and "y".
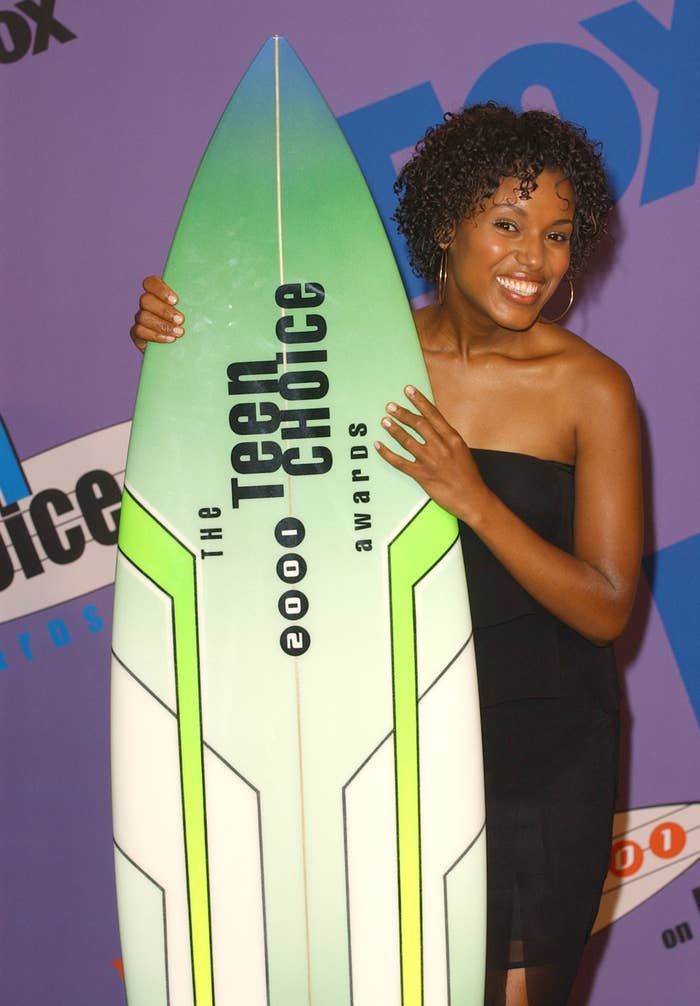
{"x": 602, "y": 401}
{"x": 589, "y": 376}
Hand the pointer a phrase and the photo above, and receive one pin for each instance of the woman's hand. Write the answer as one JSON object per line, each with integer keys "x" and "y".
{"x": 443, "y": 464}
{"x": 157, "y": 320}
{"x": 591, "y": 590}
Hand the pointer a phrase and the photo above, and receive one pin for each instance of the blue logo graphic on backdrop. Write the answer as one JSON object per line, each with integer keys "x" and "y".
{"x": 668, "y": 59}
{"x": 674, "y": 577}
{"x": 13, "y": 484}
{"x": 64, "y": 531}
{"x": 585, "y": 88}
{"x": 56, "y": 544}
{"x": 374, "y": 134}
{"x": 55, "y": 634}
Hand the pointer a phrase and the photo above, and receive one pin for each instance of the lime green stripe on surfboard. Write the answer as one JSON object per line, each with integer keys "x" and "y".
{"x": 166, "y": 561}
{"x": 412, "y": 554}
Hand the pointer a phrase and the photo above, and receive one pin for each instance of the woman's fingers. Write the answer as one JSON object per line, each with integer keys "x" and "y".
{"x": 422, "y": 424}
{"x": 426, "y": 424}
{"x": 139, "y": 343}
{"x": 441, "y": 462}
{"x": 402, "y": 436}
{"x": 157, "y": 319}
{"x": 158, "y": 287}
{"x": 418, "y": 423}
{"x": 141, "y": 334}
{"x": 426, "y": 408}
{"x": 158, "y": 307}
{"x": 395, "y": 460}
{"x": 159, "y": 324}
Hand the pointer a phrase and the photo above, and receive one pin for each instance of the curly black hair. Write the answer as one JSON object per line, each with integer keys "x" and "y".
{"x": 461, "y": 162}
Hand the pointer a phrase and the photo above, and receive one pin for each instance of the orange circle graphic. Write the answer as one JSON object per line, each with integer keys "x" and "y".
{"x": 667, "y": 840}
{"x": 626, "y": 858}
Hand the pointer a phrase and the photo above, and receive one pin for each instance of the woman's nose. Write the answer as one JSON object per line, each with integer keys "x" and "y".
{"x": 530, "y": 251}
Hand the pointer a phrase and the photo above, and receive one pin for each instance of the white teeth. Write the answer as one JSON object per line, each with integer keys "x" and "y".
{"x": 518, "y": 285}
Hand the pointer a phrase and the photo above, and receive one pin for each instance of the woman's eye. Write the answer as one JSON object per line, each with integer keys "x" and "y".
{"x": 559, "y": 236}
{"x": 506, "y": 225}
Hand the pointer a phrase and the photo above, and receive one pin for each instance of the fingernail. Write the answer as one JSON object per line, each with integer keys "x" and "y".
{"x": 391, "y": 407}
{"x": 178, "y": 331}
{"x": 178, "y": 319}
{"x": 386, "y": 423}
{"x": 410, "y": 390}
{"x": 377, "y": 445}
{"x": 172, "y": 299}
{"x": 168, "y": 338}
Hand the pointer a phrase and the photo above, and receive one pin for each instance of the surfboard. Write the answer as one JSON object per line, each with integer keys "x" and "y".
{"x": 296, "y": 757}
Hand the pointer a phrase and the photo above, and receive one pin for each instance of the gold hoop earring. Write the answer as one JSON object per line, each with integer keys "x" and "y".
{"x": 552, "y": 321}
{"x": 442, "y": 277}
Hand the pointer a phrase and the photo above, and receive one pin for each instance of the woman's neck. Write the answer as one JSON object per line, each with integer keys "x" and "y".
{"x": 442, "y": 329}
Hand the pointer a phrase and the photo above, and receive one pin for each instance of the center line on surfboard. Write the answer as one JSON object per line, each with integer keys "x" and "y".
{"x": 297, "y": 677}
{"x": 280, "y": 243}
{"x": 278, "y": 161}
{"x": 278, "y": 169}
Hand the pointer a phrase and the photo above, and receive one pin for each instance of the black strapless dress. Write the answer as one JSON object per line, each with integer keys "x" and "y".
{"x": 549, "y": 701}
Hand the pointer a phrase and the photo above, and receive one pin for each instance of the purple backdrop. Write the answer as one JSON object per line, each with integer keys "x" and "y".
{"x": 101, "y": 135}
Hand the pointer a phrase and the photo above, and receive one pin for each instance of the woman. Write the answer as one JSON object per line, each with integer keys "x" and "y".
{"x": 533, "y": 443}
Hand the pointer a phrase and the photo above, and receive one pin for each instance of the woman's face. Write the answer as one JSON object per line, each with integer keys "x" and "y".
{"x": 505, "y": 262}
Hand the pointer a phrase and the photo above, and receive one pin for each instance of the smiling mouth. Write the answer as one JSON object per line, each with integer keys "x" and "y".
{"x": 521, "y": 287}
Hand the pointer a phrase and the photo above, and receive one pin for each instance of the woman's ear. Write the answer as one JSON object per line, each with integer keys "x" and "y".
{"x": 444, "y": 236}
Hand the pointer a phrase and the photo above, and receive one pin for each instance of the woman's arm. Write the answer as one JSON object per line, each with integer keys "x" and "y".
{"x": 157, "y": 319}
{"x": 593, "y": 589}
